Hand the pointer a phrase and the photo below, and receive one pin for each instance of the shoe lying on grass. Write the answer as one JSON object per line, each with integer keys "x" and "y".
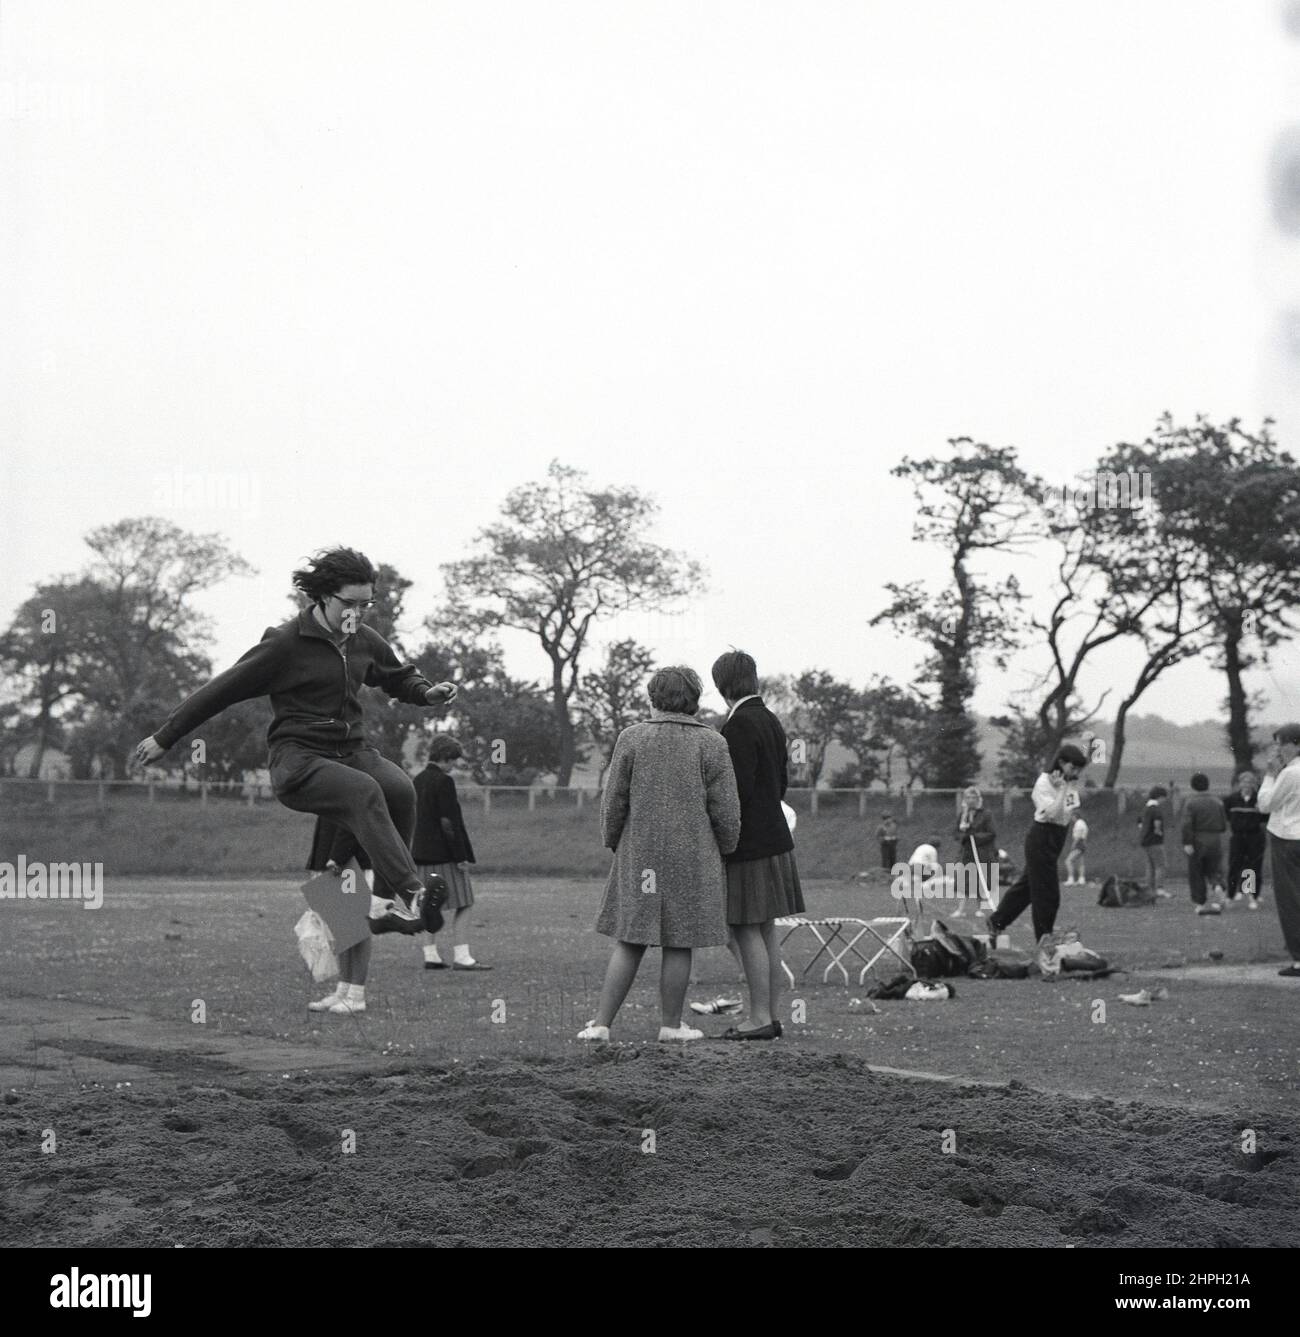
{"x": 719, "y": 1007}
{"x": 1145, "y": 997}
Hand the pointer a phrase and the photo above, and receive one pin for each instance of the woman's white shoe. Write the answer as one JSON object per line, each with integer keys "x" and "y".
{"x": 324, "y": 1004}
{"x": 593, "y": 1032}
{"x": 343, "y": 1008}
{"x": 680, "y": 1033}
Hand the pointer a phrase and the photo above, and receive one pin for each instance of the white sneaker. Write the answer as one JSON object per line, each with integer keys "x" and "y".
{"x": 1209, "y": 908}
{"x": 682, "y": 1032}
{"x": 345, "y": 1008}
{"x": 593, "y": 1032}
{"x": 324, "y": 1004}
{"x": 1252, "y": 902}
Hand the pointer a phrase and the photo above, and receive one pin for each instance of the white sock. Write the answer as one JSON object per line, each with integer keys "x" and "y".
{"x": 460, "y": 954}
{"x": 356, "y": 993}
{"x": 431, "y": 952}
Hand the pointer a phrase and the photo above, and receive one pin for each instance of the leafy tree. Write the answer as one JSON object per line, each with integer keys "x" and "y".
{"x": 614, "y": 696}
{"x": 142, "y": 641}
{"x": 976, "y": 500}
{"x": 826, "y": 708}
{"x": 1227, "y": 502}
{"x": 562, "y": 555}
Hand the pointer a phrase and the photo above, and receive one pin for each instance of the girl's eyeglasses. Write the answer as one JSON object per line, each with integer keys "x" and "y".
{"x": 363, "y": 604}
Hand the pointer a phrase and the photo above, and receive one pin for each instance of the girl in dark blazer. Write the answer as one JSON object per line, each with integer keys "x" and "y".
{"x": 977, "y": 843}
{"x": 762, "y": 880}
{"x": 441, "y": 845}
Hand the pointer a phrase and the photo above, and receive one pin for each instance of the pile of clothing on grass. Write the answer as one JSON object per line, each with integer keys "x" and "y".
{"x": 944, "y": 955}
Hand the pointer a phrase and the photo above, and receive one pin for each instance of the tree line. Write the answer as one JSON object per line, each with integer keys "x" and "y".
{"x": 1183, "y": 545}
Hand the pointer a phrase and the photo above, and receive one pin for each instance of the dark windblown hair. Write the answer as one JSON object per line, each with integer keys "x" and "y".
{"x": 735, "y": 675}
{"x": 1074, "y": 755}
{"x": 675, "y": 689}
{"x": 1200, "y": 782}
{"x": 330, "y": 569}
{"x": 445, "y": 748}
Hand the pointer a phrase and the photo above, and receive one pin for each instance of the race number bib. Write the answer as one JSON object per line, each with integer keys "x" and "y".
{"x": 1071, "y": 799}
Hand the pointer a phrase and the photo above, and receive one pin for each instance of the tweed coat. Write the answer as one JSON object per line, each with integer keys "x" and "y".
{"x": 669, "y": 812}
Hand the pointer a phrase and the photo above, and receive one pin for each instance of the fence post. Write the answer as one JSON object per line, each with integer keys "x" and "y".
{"x": 532, "y": 799}
{"x": 862, "y": 802}
{"x": 813, "y": 802}
{"x": 252, "y": 795}
{"x": 203, "y": 793}
{"x": 1006, "y": 802}
{"x": 151, "y": 791}
{"x": 579, "y": 800}
{"x": 1121, "y": 802}
{"x": 99, "y": 793}
{"x": 487, "y": 800}
{"x": 907, "y": 800}
{"x": 49, "y": 791}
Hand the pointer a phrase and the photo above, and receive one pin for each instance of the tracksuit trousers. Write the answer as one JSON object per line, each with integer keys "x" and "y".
{"x": 361, "y": 791}
{"x": 1039, "y": 884}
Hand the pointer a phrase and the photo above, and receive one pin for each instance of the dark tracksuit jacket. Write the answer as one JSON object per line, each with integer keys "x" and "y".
{"x": 440, "y": 835}
{"x": 1204, "y": 823}
{"x": 1247, "y": 843}
{"x": 319, "y": 759}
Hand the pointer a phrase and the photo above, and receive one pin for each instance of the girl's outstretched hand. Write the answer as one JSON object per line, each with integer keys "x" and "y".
{"x": 147, "y": 750}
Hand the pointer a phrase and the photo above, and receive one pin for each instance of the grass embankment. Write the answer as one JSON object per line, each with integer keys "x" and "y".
{"x": 227, "y": 838}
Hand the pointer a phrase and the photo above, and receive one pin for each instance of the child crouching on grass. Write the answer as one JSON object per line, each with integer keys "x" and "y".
{"x": 441, "y": 845}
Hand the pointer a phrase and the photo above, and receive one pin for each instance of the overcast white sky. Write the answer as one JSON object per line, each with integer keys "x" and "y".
{"x": 376, "y": 264}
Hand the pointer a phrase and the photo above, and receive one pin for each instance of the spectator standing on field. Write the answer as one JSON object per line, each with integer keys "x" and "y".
{"x": 1279, "y": 796}
{"x": 1056, "y": 800}
{"x": 1247, "y": 842}
{"x": 1204, "y": 822}
{"x": 887, "y": 835}
{"x": 977, "y": 847}
{"x": 1151, "y": 837}
{"x": 441, "y": 845}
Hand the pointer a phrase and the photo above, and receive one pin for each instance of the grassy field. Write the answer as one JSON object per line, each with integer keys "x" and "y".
{"x": 476, "y": 1118}
{"x": 157, "y": 945}
{"x": 227, "y": 838}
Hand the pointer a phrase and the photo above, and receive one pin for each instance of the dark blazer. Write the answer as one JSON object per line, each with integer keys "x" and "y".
{"x": 1244, "y": 816}
{"x": 758, "y": 756}
{"x": 985, "y": 836}
{"x": 440, "y": 835}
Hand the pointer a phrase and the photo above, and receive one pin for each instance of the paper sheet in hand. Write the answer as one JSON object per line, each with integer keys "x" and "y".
{"x": 346, "y": 912}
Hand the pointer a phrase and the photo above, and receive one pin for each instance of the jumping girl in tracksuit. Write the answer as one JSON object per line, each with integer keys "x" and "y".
{"x": 313, "y": 668}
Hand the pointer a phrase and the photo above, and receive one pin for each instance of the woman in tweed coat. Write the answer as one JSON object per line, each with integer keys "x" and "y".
{"x": 669, "y": 812}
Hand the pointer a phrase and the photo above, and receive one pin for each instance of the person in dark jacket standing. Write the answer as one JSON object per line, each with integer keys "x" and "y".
{"x": 1151, "y": 838}
{"x": 441, "y": 846}
{"x": 762, "y": 880}
{"x": 1248, "y": 841}
{"x": 1204, "y": 823}
{"x": 312, "y": 668}
{"x": 977, "y": 844}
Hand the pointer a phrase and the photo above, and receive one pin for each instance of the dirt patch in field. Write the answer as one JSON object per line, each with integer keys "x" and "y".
{"x": 633, "y": 1146}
